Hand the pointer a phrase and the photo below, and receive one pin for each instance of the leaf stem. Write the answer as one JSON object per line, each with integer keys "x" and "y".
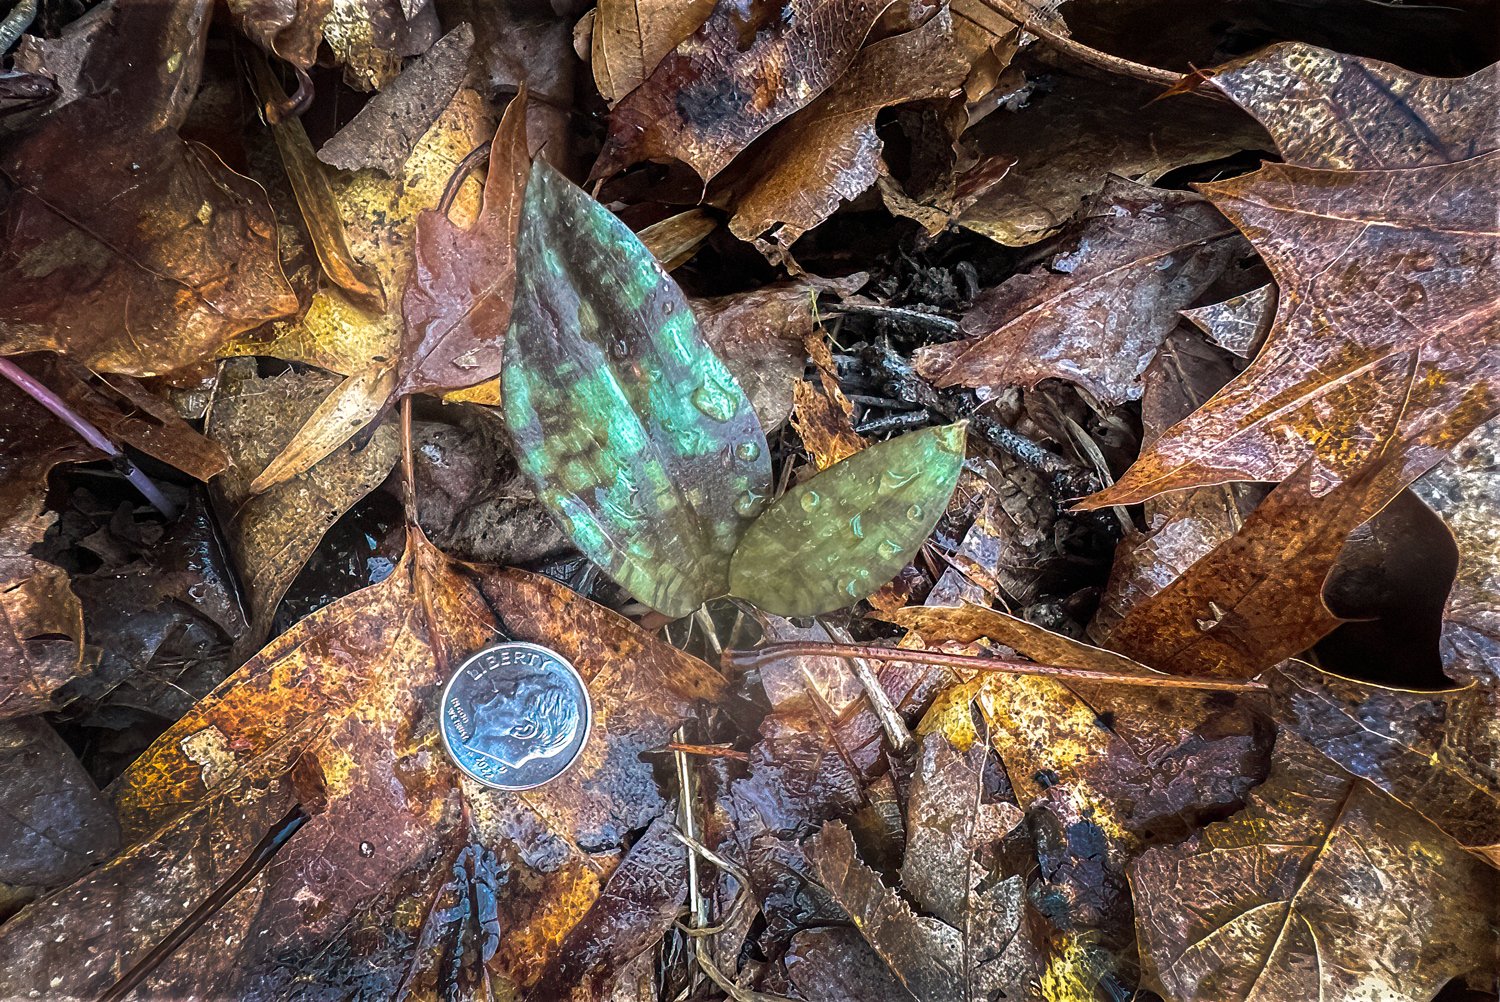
{"x": 408, "y": 466}
{"x": 754, "y": 657}
{"x": 60, "y": 409}
{"x": 265, "y": 850}
{"x": 1087, "y": 54}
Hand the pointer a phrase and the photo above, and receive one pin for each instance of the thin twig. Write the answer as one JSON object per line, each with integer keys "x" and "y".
{"x": 408, "y": 466}
{"x": 60, "y": 409}
{"x": 708, "y": 751}
{"x": 1083, "y": 53}
{"x": 755, "y": 657}
{"x": 890, "y": 721}
{"x": 265, "y": 850}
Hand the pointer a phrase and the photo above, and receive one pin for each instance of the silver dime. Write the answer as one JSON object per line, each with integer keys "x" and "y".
{"x": 515, "y": 716}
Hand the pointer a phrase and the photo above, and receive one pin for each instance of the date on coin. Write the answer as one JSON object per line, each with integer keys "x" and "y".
{"x": 515, "y": 716}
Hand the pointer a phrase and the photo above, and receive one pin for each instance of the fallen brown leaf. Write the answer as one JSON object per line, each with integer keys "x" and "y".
{"x": 1088, "y": 316}
{"x": 271, "y": 534}
{"x": 711, "y": 96}
{"x": 630, "y": 37}
{"x": 829, "y": 150}
{"x": 149, "y": 254}
{"x": 1322, "y": 887}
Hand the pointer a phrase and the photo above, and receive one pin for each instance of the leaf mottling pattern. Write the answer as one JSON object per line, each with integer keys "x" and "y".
{"x": 638, "y": 439}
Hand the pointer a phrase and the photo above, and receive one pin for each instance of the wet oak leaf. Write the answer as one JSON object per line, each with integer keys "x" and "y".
{"x": 1322, "y": 887}
{"x": 1385, "y": 273}
{"x": 838, "y": 536}
{"x": 732, "y": 79}
{"x": 1096, "y": 314}
{"x": 829, "y": 151}
{"x": 1328, "y": 109}
{"x": 458, "y": 296}
{"x": 344, "y": 903}
{"x": 1436, "y": 752}
{"x": 149, "y": 254}
{"x": 634, "y": 434}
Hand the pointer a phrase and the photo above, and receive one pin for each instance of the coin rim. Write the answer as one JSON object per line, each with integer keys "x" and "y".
{"x": 588, "y": 713}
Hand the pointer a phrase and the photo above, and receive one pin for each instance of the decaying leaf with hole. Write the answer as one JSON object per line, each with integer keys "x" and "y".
{"x": 356, "y": 896}
{"x": 1322, "y": 887}
{"x": 148, "y": 254}
{"x": 636, "y": 436}
{"x": 836, "y": 537}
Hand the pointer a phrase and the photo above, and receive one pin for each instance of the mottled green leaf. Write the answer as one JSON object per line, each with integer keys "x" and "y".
{"x": 636, "y": 436}
{"x": 840, "y": 535}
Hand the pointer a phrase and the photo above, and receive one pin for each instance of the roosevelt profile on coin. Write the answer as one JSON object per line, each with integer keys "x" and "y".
{"x": 515, "y": 715}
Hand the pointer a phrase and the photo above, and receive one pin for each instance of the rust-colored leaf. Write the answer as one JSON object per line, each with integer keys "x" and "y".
{"x": 337, "y": 713}
{"x": 1098, "y": 312}
{"x": 459, "y": 295}
{"x": 148, "y": 254}
{"x": 829, "y": 150}
{"x": 1436, "y": 752}
{"x": 1386, "y": 277}
{"x": 1321, "y": 888}
{"x": 711, "y": 96}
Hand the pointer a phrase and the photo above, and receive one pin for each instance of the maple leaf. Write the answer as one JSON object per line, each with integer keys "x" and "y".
{"x": 711, "y": 96}
{"x": 1099, "y": 311}
{"x": 1385, "y": 321}
{"x": 1322, "y": 887}
{"x": 148, "y": 254}
{"x": 308, "y": 721}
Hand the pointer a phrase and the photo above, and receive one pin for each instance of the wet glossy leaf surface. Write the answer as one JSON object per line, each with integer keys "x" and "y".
{"x": 836, "y": 537}
{"x": 634, "y": 433}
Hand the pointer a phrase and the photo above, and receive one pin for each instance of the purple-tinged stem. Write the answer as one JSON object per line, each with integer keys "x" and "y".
{"x": 86, "y": 431}
{"x": 753, "y": 657}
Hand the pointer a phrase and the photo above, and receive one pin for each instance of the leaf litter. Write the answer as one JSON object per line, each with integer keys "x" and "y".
{"x": 1016, "y": 481}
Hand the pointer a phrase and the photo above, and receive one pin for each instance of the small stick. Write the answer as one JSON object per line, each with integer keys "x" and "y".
{"x": 890, "y": 721}
{"x": 755, "y": 657}
{"x": 265, "y": 850}
{"x": 1085, "y": 54}
{"x": 90, "y": 434}
{"x": 708, "y": 751}
{"x": 408, "y": 465}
